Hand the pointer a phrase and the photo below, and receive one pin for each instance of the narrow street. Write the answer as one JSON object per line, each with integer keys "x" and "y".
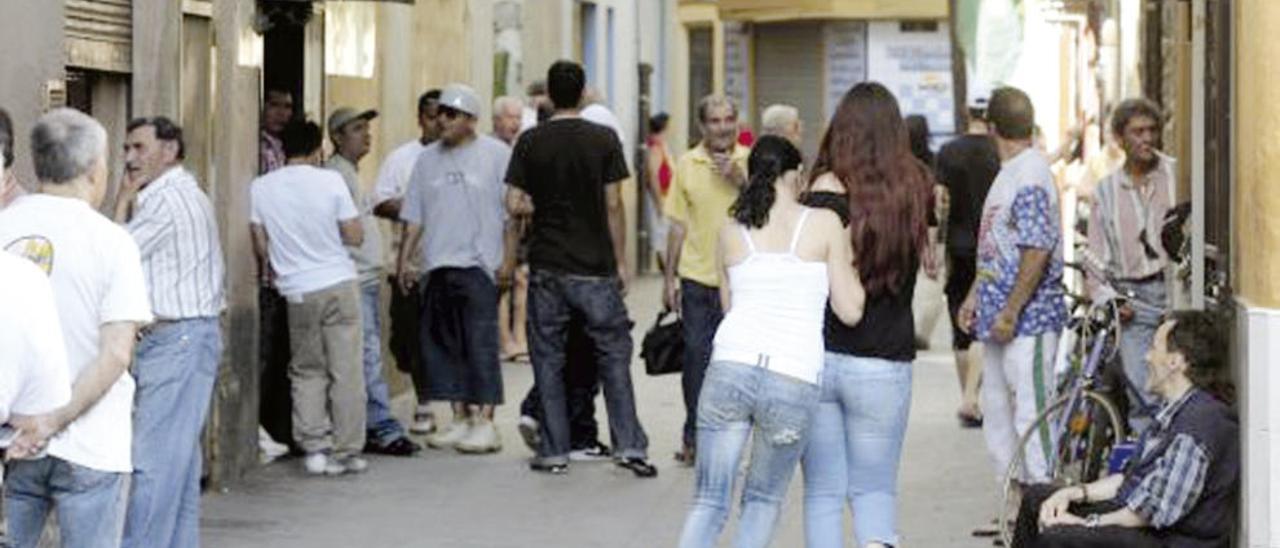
{"x": 449, "y": 500}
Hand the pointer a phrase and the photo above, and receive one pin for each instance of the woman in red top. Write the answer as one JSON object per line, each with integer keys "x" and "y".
{"x": 657, "y": 181}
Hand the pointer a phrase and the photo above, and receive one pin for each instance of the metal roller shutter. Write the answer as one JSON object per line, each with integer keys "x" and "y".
{"x": 788, "y": 69}
{"x": 100, "y": 35}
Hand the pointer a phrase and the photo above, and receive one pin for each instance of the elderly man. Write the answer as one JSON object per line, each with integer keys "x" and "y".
{"x": 349, "y": 131}
{"x": 301, "y": 217}
{"x": 96, "y": 273}
{"x": 507, "y": 113}
{"x": 706, "y": 183}
{"x": 453, "y": 208}
{"x": 1182, "y": 484}
{"x": 9, "y": 187}
{"x": 406, "y": 308}
{"x": 783, "y": 121}
{"x": 173, "y": 224}
{"x": 1125, "y": 258}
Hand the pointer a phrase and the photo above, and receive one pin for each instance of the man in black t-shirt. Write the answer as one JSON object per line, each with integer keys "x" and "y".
{"x": 565, "y": 173}
{"x": 966, "y": 166}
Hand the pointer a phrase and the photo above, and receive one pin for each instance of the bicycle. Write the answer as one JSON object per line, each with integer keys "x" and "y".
{"x": 1080, "y": 427}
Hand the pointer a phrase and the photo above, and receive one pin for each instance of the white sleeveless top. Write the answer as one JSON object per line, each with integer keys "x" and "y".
{"x": 776, "y": 313}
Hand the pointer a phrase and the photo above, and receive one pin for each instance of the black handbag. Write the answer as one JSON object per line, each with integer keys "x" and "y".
{"x": 663, "y": 346}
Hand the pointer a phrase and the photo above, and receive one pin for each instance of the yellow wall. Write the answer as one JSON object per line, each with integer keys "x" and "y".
{"x": 785, "y": 10}
{"x": 1257, "y": 195}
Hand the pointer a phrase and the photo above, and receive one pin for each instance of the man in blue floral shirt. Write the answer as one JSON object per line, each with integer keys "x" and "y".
{"x": 1016, "y": 304}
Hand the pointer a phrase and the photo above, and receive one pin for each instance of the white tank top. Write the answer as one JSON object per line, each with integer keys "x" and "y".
{"x": 776, "y": 313}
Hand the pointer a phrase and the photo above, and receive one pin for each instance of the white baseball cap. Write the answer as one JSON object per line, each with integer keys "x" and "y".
{"x": 460, "y": 98}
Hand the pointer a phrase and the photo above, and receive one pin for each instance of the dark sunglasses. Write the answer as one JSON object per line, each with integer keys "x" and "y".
{"x": 446, "y": 112}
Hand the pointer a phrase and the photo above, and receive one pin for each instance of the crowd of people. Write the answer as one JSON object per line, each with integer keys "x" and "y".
{"x": 793, "y": 278}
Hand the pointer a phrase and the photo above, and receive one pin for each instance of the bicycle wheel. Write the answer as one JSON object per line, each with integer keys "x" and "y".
{"x": 1080, "y": 450}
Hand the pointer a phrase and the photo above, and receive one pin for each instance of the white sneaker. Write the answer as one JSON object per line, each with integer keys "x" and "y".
{"x": 424, "y": 421}
{"x": 455, "y": 433}
{"x": 529, "y": 432}
{"x": 319, "y": 464}
{"x": 269, "y": 449}
{"x": 353, "y": 464}
{"x": 482, "y": 438}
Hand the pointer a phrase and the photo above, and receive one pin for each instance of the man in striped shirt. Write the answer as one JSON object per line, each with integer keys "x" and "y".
{"x": 1124, "y": 258}
{"x": 176, "y": 359}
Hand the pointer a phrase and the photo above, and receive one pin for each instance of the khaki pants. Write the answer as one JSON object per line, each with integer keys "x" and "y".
{"x": 326, "y": 371}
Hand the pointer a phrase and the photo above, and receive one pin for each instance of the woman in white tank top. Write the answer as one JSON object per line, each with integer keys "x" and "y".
{"x": 780, "y": 262}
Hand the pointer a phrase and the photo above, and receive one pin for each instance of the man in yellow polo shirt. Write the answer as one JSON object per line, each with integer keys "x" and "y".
{"x": 706, "y": 183}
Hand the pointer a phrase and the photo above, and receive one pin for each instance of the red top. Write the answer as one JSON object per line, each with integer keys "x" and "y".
{"x": 746, "y": 138}
{"x": 664, "y": 171}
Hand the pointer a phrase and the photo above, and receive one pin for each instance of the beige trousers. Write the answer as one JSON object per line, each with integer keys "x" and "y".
{"x": 326, "y": 371}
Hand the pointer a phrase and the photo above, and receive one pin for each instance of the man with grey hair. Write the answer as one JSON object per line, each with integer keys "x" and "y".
{"x": 96, "y": 273}
{"x": 783, "y": 121}
{"x": 507, "y": 112}
{"x": 706, "y": 183}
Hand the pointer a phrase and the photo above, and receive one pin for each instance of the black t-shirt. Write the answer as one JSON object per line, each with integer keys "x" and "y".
{"x": 564, "y": 165}
{"x": 966, "y": 166}
{"x": 888, "y": 326}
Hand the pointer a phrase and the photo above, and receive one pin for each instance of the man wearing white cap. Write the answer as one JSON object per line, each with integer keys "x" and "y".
{"x": 453, "y": 208}
{"x": 349, "y": 131}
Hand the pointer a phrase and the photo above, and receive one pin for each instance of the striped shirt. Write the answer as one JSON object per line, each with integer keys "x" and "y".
{"x": 1173, "y": 487}
{"x": 1122, "y": 210}
{"x": 173, "y": 224}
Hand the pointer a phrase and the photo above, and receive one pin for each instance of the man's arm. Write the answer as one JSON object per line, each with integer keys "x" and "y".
{"x": 518, "y": 202}
{"x": 260, "y": 243}
{"x": 671, "y": 286}
{"x": 405, "y": 267}
{"x": 352, "y": 231}
{"x": 115, "y": 352}
{"x": 618, "y": 230}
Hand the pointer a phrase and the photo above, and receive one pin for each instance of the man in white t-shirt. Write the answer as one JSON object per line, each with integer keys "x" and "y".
{"x": 96, "y": 274}
{"x": 406, "y": 308}
{"x": 33, "y": 359}
{"x": 301, "y": 216}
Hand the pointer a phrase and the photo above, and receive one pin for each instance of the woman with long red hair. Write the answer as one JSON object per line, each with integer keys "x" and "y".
{"x": 865, "y": 171}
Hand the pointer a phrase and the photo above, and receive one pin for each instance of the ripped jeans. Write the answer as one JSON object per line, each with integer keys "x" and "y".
{"x": 736, "y": 399}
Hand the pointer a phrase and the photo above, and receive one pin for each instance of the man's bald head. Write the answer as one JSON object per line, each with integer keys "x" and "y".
{"x": 1011, "y": 114}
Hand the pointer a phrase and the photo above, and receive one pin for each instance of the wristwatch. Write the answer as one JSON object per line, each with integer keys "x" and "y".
{"x": 1092, "y": 520}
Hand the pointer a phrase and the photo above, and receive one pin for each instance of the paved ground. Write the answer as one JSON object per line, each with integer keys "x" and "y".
{"x": 443, "y": 499}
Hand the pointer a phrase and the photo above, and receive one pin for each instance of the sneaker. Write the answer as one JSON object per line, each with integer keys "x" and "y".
{"x": 450, "y": 437}
{"x": 353, "y": 464}
{"x": 481, "y": 438}
{"x": 594, "y": 451}
{"x": 638, "y": 466}
{"x": 554, "y": 469}
{"x": 269, "y": 449}
{"x": 399, "y": 447}
{"x": 424, "y": 421}
{"x": 319, "y": 464}
{"x": 529, "y": 432}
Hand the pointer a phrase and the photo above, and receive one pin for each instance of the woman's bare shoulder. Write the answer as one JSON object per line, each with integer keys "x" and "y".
{"x": 827, "y": 182}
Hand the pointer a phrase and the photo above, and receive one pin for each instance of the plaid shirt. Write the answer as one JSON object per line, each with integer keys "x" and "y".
{"x": 1173, "y": 486}
{"x": 270, "y": 153}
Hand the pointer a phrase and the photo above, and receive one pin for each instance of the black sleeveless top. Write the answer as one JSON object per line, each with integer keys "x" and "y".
{"x": 887, "y": 329}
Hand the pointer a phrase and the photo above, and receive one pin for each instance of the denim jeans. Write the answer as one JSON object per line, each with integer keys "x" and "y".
{"x": 582, "y": 383}
{"x": 175, "y": 366}
{"x": 460, "y": 336}
{"x": 382, "y": 427}
{"x": 91, "y": 503}
{"x": 1135, "y": 340}
{"x": 700, "y": 315}
{"x": 737, "y": 398}
{"x": 553, "y": 300}
{"x": 854, "y": 449}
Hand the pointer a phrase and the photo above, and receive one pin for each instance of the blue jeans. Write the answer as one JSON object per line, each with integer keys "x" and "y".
{"x": 700, "y": 315}
{"x": 554, "y": 299}
{"x": 854, "y": 450}
{"x": 175, "y": 366}
{"x": 382, "y": 427}
{"x": 737, "y": 398}
{"x": 1135, "y": 340}
{"x": 90, "y": 503}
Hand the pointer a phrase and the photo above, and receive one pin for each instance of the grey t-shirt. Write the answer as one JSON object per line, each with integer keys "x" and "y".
{"x": 456, "y": 195}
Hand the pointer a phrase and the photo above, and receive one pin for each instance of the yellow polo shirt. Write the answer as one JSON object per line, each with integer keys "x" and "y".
{"x": 699, "y": 198}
